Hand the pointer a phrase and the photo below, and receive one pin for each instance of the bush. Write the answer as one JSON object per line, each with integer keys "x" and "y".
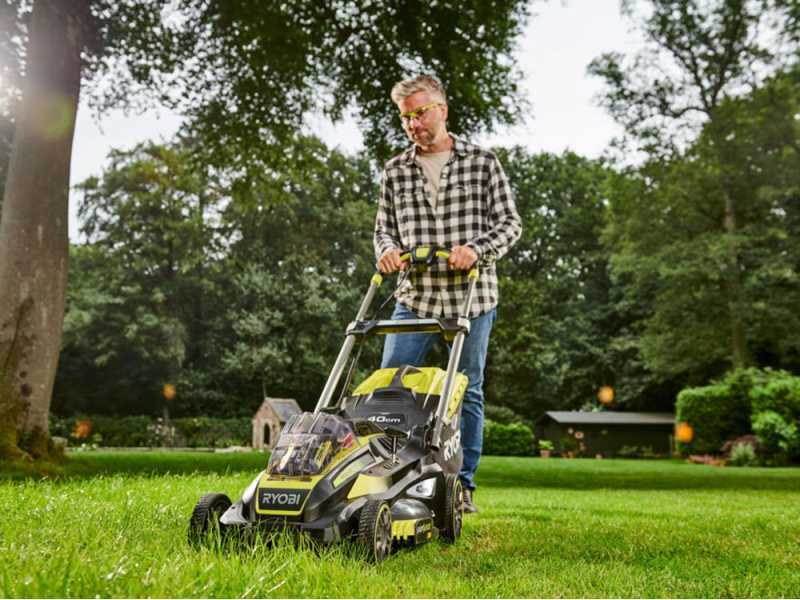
{"x": 513, "y": 439}
{"x": 750, "y": 439}
{"x": 628, "y": 452}
{"x": 743, "y": 454}
{"x": 501, "y": 414}
{"x": 715, "y": 412}
{"x": 779, "y": 438}
{"x": 780, "y": 393}
{"x": 143, "y": 431}
{"x": 722, "y": 410}
{"x": 637, "y": 452}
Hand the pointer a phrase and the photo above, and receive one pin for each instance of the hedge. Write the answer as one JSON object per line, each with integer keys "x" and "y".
{"x": 725, "y": 409}
{"x": 513, "y": 439}
{"x": 143, "y": 431}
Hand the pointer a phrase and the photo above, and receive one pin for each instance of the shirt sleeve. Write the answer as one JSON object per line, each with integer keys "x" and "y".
{"x": 387, "y": 236}
{"x": 505, "y": 224}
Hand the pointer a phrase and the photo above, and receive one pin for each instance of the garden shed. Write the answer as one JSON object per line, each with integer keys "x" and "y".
{"x": 606, "y": 432}
{"x": 270, "y": 419}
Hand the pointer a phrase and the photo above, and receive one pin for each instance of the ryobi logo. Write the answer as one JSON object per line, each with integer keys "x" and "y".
{"x": 452, "y": 446}
{"x": 387, "y": 419}
{"x": 271, "y": 499}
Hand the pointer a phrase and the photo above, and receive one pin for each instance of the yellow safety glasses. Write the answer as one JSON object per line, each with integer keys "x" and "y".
{"x": 406, "y": 118}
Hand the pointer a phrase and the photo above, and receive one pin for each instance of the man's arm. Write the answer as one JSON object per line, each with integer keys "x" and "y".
{"x": 386, "y": 239}
{"x": 506, "y": 226}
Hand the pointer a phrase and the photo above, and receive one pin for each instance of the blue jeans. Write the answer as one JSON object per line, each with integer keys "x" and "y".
{"x": 411, "y": 349}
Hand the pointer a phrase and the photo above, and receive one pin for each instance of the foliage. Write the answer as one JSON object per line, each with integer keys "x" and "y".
{"x": 715, "y": 414}
{"x": 246, "y": 74}
{"x": 548, "y": 348}
{"x": 743, "y": 455}
{"x": 500, "y": 414}
{"x": 545, "y": 445}
{"x": 143, "y": 431}
{"x": 779, "y": 393}
{"x": 702, "y": 233}
{"x": 221, "y": 294}
{"x": 726, "y": 409}
{"x": 748, "y": 439}
{"x": 514, "y": 439}
{"x": 779, "y": 438}
{"x": 645, "y": 452}
{"x": 571, "y": 446}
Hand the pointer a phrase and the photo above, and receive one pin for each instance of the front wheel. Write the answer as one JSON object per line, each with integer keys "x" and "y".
{"x": 205, "y": 522}
{"x": 453, "y": 508}
{"x": 375, "y": 530}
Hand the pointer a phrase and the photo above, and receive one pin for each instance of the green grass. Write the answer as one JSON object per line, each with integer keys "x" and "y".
{"x": 115, "y": 525}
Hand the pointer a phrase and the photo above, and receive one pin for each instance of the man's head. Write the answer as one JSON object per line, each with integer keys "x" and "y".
{"x": 423, "y": 111}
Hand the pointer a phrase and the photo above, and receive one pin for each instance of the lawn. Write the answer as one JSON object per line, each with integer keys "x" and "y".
{"x": 115, "y": 525}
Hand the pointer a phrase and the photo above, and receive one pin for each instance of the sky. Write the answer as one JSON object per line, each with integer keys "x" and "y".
{"x": 561, "y": 39}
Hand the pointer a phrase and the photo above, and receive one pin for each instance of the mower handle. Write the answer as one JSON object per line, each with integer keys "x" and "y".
{"x": 426, "y": 255}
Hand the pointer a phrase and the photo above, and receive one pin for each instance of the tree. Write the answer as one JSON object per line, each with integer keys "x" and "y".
{"x": 259, "y": 290}
{"x": 247, "y": 72}
{"x": 670, "y": 250}
{"x": 555, "y": 318}
{"x": 700, "y": 57}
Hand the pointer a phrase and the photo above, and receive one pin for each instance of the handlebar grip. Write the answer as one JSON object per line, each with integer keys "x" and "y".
{"x": 424, "y": 255}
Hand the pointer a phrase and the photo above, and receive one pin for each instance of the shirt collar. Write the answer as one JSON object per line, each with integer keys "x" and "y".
{"x": 459, "y": 148}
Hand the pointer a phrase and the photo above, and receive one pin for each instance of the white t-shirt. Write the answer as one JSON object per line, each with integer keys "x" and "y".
{"x": 432, "y": 165}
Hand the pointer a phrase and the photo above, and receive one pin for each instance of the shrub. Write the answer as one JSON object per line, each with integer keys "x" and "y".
{"x": 513, "y": 439}
{"x": 742, "y": 439}
{"x": 143, "y": 431}
{"x": 780, "y": 393}
{"x": 501, "y": 414}
{"x": 628, "y": 452}
{"x": 779, "y": 438}
{"x": 721, "y": 410}
{"x": 715, "y": 412}
{"x": 743, "y": 454}
{"x": 571, "y": 446}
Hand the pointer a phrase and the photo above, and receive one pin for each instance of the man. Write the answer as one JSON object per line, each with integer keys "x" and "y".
{"x": 444, "y": 192}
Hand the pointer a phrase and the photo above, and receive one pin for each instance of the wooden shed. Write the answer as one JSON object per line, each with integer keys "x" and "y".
{"x": 606, "y": 432}
{"x": 270, "y": 419}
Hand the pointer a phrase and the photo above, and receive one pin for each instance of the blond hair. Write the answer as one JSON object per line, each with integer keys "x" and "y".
{"x": 420, "y": 83}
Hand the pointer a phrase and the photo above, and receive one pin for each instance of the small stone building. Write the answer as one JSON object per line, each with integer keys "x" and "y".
{"x": 606, "y": 432}
{"x": 270, "y": 419}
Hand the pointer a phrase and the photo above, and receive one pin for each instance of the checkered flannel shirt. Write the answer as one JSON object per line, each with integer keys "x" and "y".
{"x": 474, "y": 207}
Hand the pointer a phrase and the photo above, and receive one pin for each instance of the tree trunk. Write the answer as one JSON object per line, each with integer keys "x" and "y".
{"x": 34, "y": 242}
{"x": 733, "y": 286}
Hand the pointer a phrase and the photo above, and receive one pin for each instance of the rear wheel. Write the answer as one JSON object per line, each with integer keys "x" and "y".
{"x": 205, "y": 518}
{"x": 453, "y": 508}
{"x": 375, "y": 530}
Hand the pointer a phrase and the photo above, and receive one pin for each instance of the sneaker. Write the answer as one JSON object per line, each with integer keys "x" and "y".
{"x": 469, "y": 507}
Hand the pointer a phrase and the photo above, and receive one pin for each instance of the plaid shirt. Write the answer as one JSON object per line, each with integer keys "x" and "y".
{"x": 474, "y": 207}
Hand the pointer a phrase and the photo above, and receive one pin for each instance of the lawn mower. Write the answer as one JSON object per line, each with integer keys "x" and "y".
{"x": 377, "y": 464}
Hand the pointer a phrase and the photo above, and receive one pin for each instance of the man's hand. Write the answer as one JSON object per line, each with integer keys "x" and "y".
{"x": 462, "y": 258}
{"x": 389, "y": 262}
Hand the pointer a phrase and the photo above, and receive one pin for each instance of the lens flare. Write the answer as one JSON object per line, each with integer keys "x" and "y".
{"x": 605, "y": 394}
{"x": 57, "y": 114}
{"x": 684, "y": 432}
{"x": 82, "y": 429}
{"x": 169, "y": 391}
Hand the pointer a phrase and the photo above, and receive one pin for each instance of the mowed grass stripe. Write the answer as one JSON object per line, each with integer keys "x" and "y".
{"x": 547, "y": 528}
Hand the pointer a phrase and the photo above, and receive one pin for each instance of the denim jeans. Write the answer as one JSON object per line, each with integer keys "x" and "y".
{"x": 411, "y": 349}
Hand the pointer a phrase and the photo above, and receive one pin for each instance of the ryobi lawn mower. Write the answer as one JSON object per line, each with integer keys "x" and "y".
{"x": 378, "y": 464}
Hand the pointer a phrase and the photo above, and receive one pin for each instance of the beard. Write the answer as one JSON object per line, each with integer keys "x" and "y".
{"x": 423, "y": 137}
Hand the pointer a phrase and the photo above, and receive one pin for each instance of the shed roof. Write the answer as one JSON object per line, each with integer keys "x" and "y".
{"x": 285, "y": 407}
{"x": 579, "y": 417}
